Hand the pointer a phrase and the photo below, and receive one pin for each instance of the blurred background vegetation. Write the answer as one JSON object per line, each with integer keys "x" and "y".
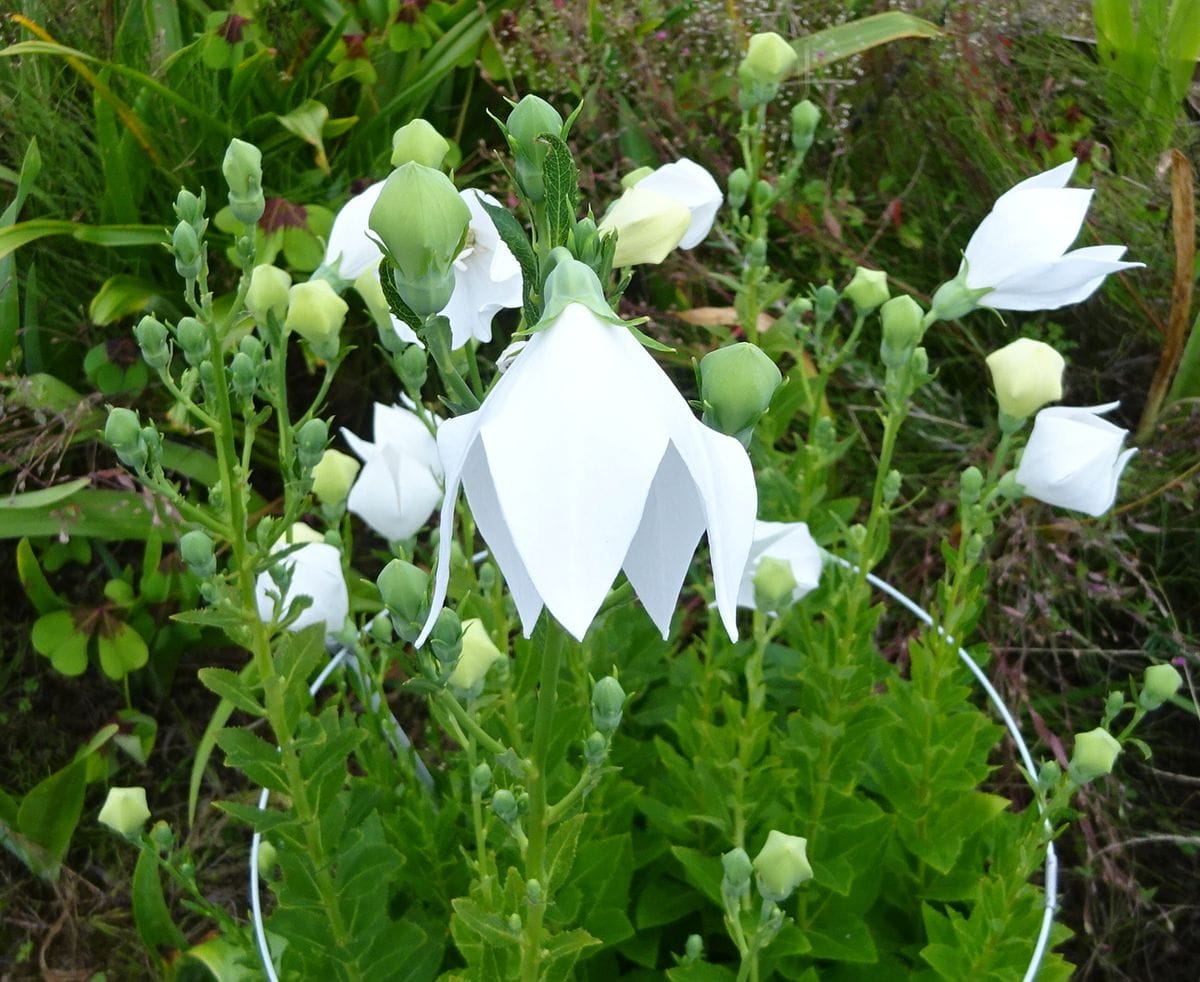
{"x": 108, "y": 108}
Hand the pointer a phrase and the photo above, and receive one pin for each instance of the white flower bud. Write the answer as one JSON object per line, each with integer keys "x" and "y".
{"x": 125, "y": 810}
{"x": 782, "y": 865}
{"x": 1027, "y": 374}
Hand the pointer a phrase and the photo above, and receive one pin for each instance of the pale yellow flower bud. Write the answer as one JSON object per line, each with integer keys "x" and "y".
{"x": 1027, "y": 375}
{"x": 125, "y": 810}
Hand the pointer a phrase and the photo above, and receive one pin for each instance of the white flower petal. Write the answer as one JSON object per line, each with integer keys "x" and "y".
{"x": 1055, "y": 177}
{"x": 1023, "y": 229}
{"x": 349, "y": 247}
{"x": 317, "y": 573}
{"x": 793, "y": 543}
{"x": 689, "y": 183}
{"x": 1069, "y": 280}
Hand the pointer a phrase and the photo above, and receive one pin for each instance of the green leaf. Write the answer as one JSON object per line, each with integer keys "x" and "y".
{"x": 490, "y": 927}
{"x": 561, "y": 178}
{"x": 204, "y": 750}
{"x": 45, "y": 497}
{"x": 150, "y": 912}
{"x": 703, "y": 871}
{"x": 854, "y": 37}
{"x": 109, "y": 515}
{"x": 113, "y": 236}
{"x": 560, "y": 852}
{"x": 10, "y": 301}
{"x": 33, "y": 580}
{"x": 254, "y": 757}
{"x": 392, "y": 295}
{"x": 49, "y": 813}
{"x": 701, "y": 972}
{"x": 56, "y": 636}
{"x": 259, "y": 819}
{"x": 233, "y": 688}
{"x": 122, "y": 652}
{"x": 121, "y": 296}
{"x": 517, "y": 241}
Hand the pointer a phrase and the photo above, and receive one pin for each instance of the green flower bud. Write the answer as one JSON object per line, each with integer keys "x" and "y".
{"x": 1048, "y": 775}
{"x": 901, "y": 319}
{"x": 805, "y": 119}
{"x": 1026, "y": 375}
{"x": 608, "y": 704}
{"x": 1159, "y": 683}
{"x": 630, "y": 179}
{"x": 268, "y": 293}
{"x": 954, "y": 299}
{"x": 782, "y": 865}
{"x": 891, "y": 486}
{"x": 334, "y": 476}
{"x": 123, "y": 432}
{"x": 481, "y": 779}
{"x": 422, "y": 223}
{"x": 479, "y": 654}
{"x": 649, "y": 225}
{"x": 418, "y": 141}
{"x": 190, "y": 208}
{"x": 825, "y": 301}
{"x": 868, "y": 289}
{"x": 193, "y": 339}
{"x": 756, "y": 253}
{"x": 252, "y": 348}
{"x": 317, "y": 314}
{"x": 738, "y": 870}
{"x": 595, "y": 748}
{"x": 185, "y": 245}
{"x": 268, "y": 856}
{"x": 152, "y": 340}
{"x": 1094, "y": 754}
{"x": 739, "y": 188}
{"x": 242, "y": 168}
{"x": 585, "y": 241}
{"x": 311, "y": 440}
{"x": 971, "y": 485}
{"x": 404, "y": 589}
{"x": 534, "y": 893}
{"x": 693, "y": 949}
{"x": 769, "y": 60}
{"x": 505, "y": 806}
{"x": 774, "y": 584}
{"x": 1009, "y": 487}
{"x": 243, "y": 375}
{"x": 381, "y": 628}
{"x": 736, "y": 386}
{"x": 125, "y": 810}
{"x": 446, "y": 639}
{"x": 161, "y": 836}
{"x": 764, "y": 194}
{"x": 412, "y": 367}
{"x": 196, "y": 548}
{"x": 530, "y": 118}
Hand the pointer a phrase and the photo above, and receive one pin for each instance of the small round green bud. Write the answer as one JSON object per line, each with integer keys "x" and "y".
{"x": 534, "y": 893}
{"x": 1009, "y": 487}
{"x": 242, "y": 168}
{"x": 196, "y": 548}
{"x": 479, "y": 654}
{"x": 445, "y": 641}
{"x": 1049, "y": 775}
{"x": 774, "y": 584}
{"x": 867, "y": 289}
{"x": 152, "y": 340}
{"x": 311, "y": 440}
{"x": 530, "y": 118}
{"x": 418, "y": 141}
{"x": 756, "y": 253}
{"x": 123, "y": 432}
{"x": 505, "y": 806}
{"x": 608, "y": 704}
{"x": 125, "y": 810}
{"x": 1159, "y": 683}
{"x": 825, "y": 301}
{"x": 782, "y": 865}
{"x": 693, "y": 949}
{"x": 901, "y": 319}
{"x": 736, "y": 386}
{"x": 316, "y": 313}
{"x": 1094, "y": 755}
{"x": 585, "y": 241}
{"x": 738, "y": 871}
{"x": 185, "y": 245}
{"x": 268, "y": 293}
{"x": 412, "y": 367}
{"x": 190, "y": 208}
{"x": 595, "y": 748}
{"x": 971, "y": 485}
{"x": 404, "y": 589}
{"x": 739, "y": 188}
{"x": 268, "y": 856}
{"x": 514, "y": 923}
{"x": 333, "y": 477}
{"x": 422, "y": 222}
{"x": 381, "y": 628}
{"x": 768, "y": 61}
{"x": 891, "y": 486}
{"x": 764, "y": 194}
{"x": 193, "y": 339}
{"x": 805, "y": 119}
{"x": 161, "y": 836}
{"x": 481, "y": 779}
{"x": 243, "y": 375}
{"x": 920, "y": 363}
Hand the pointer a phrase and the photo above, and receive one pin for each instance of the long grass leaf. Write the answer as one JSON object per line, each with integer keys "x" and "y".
{"x": 856, "y": 36}
{"x": 95, "y": 514}
{"x": 15, "y": 236}
{"x": 10, "y": 299}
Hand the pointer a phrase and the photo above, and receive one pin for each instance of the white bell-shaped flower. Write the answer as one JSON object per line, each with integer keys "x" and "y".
{"x": 1018, "y": 254}
{"x": 790, "y": 542}
{"x": 1074, "y": 458}
{"x": 695, "y": 188}
{"x": 317, "y": 573}
{"x": 487, "y": 277}
{"x": 585, "y": 460}
{"x": 401, "y": 481}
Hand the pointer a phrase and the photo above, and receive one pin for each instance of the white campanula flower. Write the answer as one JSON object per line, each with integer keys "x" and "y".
{"x": 1074, "y": 458}
{"x": 1018, "y": 259}
{"x": 316, "y": 569}
{"x": 584, "y": 460}
{"x": 695, "y": 188}
{"x": 487, "y": 277}
{"x": 790, "y": 542}
{"x": 401, "y": 481}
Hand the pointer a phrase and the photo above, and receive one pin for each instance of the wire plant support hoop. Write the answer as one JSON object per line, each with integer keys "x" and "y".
{"x": 400, "y": 743}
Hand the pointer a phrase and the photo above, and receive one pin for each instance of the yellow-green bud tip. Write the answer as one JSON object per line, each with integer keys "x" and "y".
{"x": 782, "y": 865}
{"x": 125, "y": 810}
{"x": 1094, "y": 755}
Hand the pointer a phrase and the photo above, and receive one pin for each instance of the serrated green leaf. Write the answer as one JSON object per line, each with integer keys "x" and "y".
{"x": 232, "y": 687}
{"x": 392, "y": 295}
{"x": 560, "y": 852}
{"x": 513, "y": 236}
{"x": 561, "y": 178}
{"x": 254, "y": 757}
{"x": 489, "y": 927}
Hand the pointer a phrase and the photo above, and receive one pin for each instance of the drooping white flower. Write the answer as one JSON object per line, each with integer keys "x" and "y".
{"x": 487, "y": 277}
{"x": 787, "y": 541}
{"x": 401, "y": 480}
{"x": 1074, "y": 458}
{"x": 694, "y": 187}
{"x": 317, "y": 573}
{"x": 1019, "y": 256}
{"x": 585, "y": 460}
